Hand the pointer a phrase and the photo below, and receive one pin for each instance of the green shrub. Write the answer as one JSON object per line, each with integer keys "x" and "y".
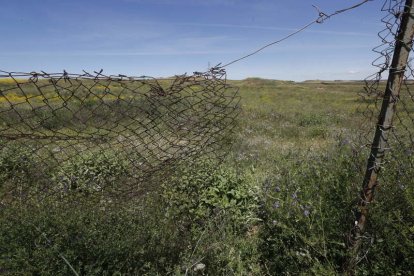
{"x": 18, "y": 171}
{"x": 91, "y": 172}
{"x": 218, "y": 207}
{"x": 15, "y": 161}
{"x": 200, "y": 190}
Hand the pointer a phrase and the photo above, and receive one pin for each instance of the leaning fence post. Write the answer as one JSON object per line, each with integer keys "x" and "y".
{"x": 403, "y": 45}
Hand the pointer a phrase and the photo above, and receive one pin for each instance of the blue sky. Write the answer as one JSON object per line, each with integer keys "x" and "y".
{"x": 167, "y": 37}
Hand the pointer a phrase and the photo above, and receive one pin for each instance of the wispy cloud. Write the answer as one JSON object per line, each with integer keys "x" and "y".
{"x": 353, "y": 72}
{"x": 269, "y": 28}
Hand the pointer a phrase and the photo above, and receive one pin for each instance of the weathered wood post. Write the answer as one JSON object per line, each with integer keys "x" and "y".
{"x": 379, "y": 147}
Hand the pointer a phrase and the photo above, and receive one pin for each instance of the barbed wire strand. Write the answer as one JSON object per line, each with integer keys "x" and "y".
{"x": 64, "y": 120}
{"x": 321, "y": 18}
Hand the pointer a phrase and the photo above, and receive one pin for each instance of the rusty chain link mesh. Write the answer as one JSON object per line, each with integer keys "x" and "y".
{"x": 145, "y": 124}
{"x": 400, "y": 143}
{"x": 397, "y": 168}
{"x": 140, "y": 126}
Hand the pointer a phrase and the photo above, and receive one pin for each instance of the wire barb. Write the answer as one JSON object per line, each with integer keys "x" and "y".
{"x": 154, "y": 124}
{"x": 320, "y": 19}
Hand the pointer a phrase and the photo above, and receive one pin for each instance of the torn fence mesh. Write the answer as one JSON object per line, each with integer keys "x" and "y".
{"x": 148, "y": 123}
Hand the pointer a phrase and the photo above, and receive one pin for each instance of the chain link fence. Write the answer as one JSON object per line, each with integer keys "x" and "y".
{"x": 387, "y": 133}
{"x": 375, "y": 85}
{"x": 135, "y": 126}
{"x": 98, "y": 133}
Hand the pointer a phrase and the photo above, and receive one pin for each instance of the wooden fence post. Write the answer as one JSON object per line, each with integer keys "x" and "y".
{"x": 404, "y": 42}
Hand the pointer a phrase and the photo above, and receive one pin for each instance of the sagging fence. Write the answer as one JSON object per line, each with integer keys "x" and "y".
{"x": 150, "y": 124}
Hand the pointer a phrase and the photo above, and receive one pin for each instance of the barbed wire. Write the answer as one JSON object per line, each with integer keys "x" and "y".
{"x": 141, "y": 125}
{"x": 66, "y": 120}
{"x": 322, "y": 17}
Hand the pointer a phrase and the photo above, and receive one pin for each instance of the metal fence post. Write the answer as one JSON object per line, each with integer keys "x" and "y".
{"x": 404, "y": 41}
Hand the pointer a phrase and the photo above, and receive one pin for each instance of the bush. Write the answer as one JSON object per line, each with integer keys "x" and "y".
{"x": 200, "y": 190}
{"x": 18, "y": 172}
{"x": 91, "y": 172}
{"x": 218, "y": 206}
{"x": 15, "y": 163}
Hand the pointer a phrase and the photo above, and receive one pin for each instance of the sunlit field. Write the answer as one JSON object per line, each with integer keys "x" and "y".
{"x": 280, "y": 201}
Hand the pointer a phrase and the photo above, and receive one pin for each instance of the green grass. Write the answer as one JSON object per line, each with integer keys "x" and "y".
{"x": 280, "y": 203}
{"x": 278, "y": 117}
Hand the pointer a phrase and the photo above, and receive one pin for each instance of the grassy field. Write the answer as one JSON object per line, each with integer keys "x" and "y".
{"x": 279, "y": 115}
{"x": 280, "y": 203}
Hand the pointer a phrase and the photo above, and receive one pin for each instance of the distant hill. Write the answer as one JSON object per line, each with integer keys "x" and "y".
{"x": 261, "y": 82}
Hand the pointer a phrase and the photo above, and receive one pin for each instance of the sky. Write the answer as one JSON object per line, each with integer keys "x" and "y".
{"x": 168, "y": 37}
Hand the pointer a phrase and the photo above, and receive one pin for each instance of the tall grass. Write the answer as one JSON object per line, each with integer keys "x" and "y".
{"x": 281, "y": 203}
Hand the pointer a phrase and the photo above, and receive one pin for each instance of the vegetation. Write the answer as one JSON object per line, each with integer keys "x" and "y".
{"x": 281, "y": 202}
